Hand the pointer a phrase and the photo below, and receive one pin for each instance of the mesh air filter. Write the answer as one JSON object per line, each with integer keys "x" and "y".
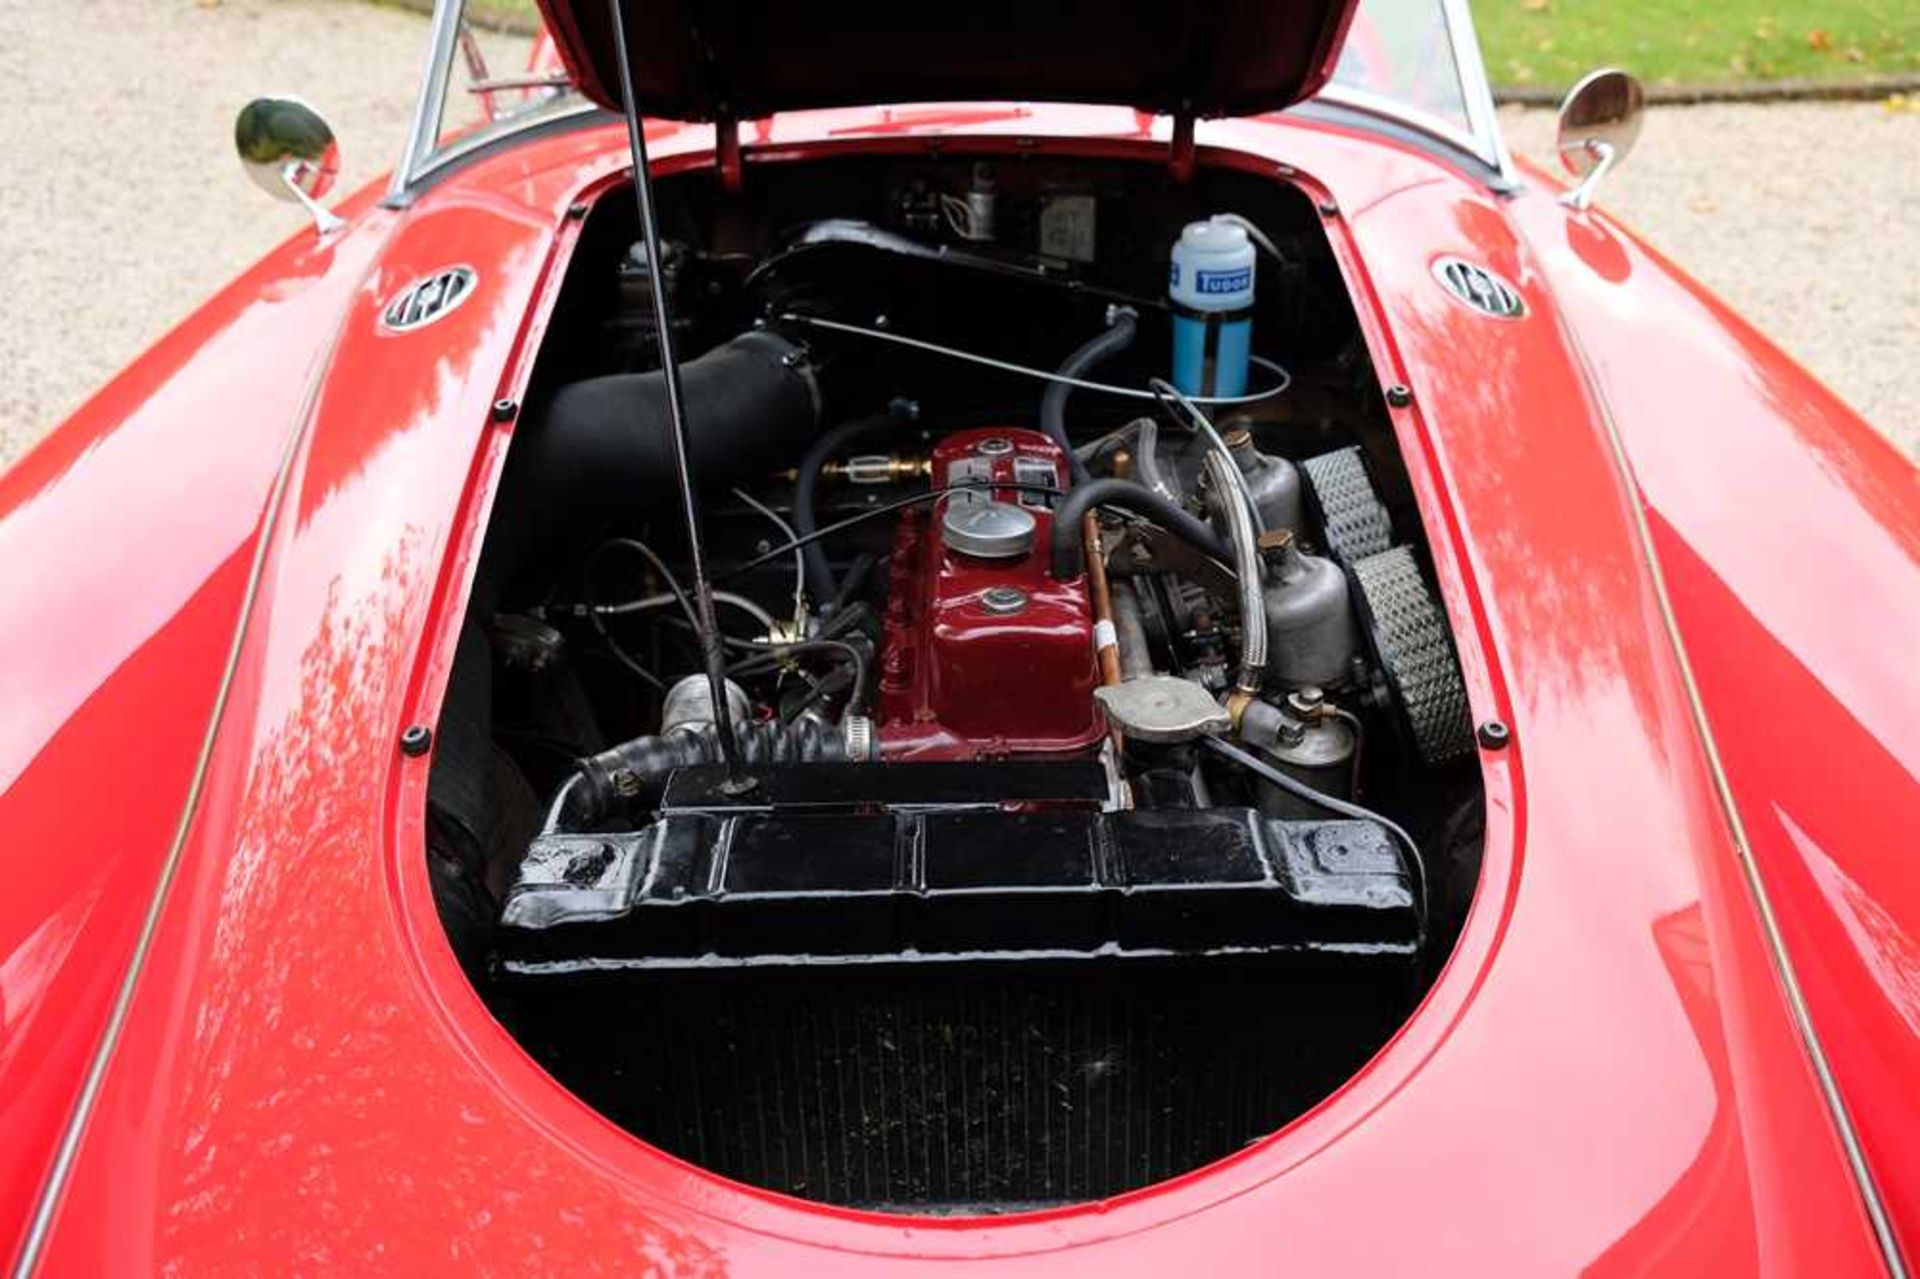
{"x": 1415, "y": 651}
{"x": 1356, "y": 523}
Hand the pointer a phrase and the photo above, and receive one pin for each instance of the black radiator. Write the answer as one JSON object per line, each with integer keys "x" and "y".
{"x": 975, "y": 1088}
{"x": 950, "y": 990}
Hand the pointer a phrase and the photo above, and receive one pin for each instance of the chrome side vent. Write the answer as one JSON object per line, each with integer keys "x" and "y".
{"x": 1479, "y": 288}
{"x": 430, "y": 298}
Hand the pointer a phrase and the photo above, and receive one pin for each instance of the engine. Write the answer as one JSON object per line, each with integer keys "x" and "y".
{"x": 1092, "y": 787}
{"x": 986, "y": 655}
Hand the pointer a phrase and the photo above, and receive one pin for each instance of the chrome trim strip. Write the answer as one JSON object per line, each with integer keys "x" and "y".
{"x": 1345, "y": 115}
{"x": 1796, "y": 999}
{"x": 1482, "y": 114}
{"x": 53, "y": 1189}
{"x": 1400, "y": 113}
{"x": 424, "y": 130}
{"x": 564, "y": 108}
{"x": 1481, "y": 138}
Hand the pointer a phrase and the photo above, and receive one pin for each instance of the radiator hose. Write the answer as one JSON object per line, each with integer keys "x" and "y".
{"x": 623, "y": 772}
{"x": 1122, "y": 325}
{"x": 1068, "y": 552}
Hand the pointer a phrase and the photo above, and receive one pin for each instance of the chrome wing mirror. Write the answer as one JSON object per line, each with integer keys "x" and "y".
{"x": 289, "y": 151}
{"x": 1599, "y": 123}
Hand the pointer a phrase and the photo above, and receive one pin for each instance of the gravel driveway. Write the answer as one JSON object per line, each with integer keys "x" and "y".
{"x": 123, "y": 206}
{"x": 1804, "y": 216}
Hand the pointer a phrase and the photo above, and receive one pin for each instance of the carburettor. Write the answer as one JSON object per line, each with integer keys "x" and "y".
{"x": 985, "y": 654}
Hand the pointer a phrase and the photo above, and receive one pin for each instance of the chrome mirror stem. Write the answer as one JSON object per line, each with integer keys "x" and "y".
{"x": 1580, "y": 198}
{"x": 325, "y": 220}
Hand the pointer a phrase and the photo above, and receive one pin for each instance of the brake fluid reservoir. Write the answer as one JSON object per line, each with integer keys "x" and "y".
{"x": 1211, "y": 287}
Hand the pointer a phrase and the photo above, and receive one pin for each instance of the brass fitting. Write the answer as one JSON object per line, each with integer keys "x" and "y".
{"x": 1274, "y": 539}
{"x": 879, "y": 468}
{"x": 872, "y": 468}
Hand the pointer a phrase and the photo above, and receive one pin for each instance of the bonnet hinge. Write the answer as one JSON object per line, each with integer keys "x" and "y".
{"x": 726, "y": 152}
{"x": 1180, "y": 156}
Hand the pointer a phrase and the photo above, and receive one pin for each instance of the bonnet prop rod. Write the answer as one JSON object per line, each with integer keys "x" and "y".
{"x": 710, "y": 646}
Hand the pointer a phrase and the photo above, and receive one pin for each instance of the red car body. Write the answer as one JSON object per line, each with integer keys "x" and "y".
{"x": 1684, "y": 574}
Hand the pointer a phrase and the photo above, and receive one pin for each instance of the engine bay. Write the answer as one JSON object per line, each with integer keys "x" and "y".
{"x": 1093, "y": 789}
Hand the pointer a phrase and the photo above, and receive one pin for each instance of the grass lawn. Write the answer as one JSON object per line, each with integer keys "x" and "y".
{"x": 518, "y": 13}
{"x": 1553, "y": 42}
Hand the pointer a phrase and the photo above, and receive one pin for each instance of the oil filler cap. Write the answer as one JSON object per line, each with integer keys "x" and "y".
{"x": 987, "y": 529}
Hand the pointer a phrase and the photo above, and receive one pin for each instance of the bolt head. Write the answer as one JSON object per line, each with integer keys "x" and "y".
{"x": 1399, "y": 396}
{"x": 1493, "y": 735}
{"x": 417, "y": 740}
{"x": 1003, "y": 600}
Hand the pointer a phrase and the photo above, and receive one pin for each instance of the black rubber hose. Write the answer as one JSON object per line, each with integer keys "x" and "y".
{"x": 857, "y": 573}
{"x": 623, "y": 771}
{"x": 1068, "y": 559}
{"x": 821, "y": 588}
{"x": 596, "y": 457}
{"x": 1053, "y": 404}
